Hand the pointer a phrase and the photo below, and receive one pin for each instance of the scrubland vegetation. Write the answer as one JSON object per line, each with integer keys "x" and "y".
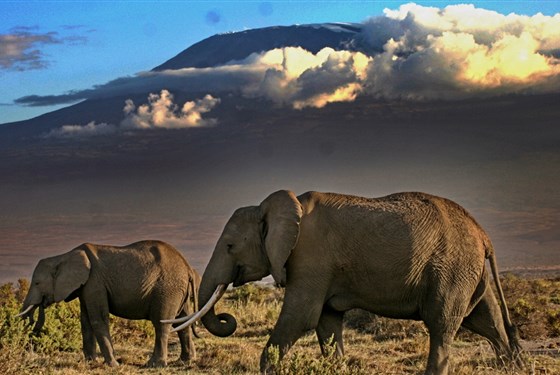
{"x": 373, "y": 345}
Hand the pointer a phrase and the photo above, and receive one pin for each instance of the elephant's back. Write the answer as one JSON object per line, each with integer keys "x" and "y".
{"x": 148, "y": 262}
{"x": 163, "y": 256}
{"x": 414, "y": 214}
{"x": 435, "y": 210}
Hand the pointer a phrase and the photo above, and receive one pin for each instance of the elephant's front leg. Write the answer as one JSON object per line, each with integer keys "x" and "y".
{"x": 88, "y": 337}
{"x": 300, "y": 313}
{"x": 97, "y": 307}
{"x": 188, "y": 351}
{"x": 329, "y": 331}
{"x": 159, "y": 356}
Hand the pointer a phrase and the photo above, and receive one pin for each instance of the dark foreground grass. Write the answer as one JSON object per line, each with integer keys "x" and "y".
{"x": 373, "y": 345}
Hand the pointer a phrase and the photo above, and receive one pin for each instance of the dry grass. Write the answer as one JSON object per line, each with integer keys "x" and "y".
{"x": 373, "y": 345}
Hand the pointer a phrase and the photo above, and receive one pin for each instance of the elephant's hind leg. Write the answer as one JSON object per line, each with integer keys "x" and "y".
{"x": 188, "y": 351}
{"x": 441, "y": 337}
{"x": 159, "y": 356}
{"x": 443, "y": 317}
{"x": 486, "y": 320}
{"x": 329, "y": 330}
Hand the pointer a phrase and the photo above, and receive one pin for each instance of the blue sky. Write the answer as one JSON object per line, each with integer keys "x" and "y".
{"x": 85, "y": 43}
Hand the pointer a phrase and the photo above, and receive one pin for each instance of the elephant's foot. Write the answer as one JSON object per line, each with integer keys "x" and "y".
{"x": 112, "y": 363}
{"x": 156, "y": 362}
{"x": 187, "y": 357}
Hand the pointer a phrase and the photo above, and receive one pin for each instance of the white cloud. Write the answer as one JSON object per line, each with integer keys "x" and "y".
{"x": 161, "y": 112}
{"x": 79, "y": 131}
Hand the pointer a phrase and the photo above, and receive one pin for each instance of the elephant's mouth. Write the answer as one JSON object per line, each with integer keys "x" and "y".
{"x": 46, "y": 301}
{"x": 244, "y": 274}
{"x": 238, "y": 278}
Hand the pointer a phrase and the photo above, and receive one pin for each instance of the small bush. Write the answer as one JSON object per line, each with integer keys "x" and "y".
{"x": 382, "y": 328}
{"x": 532, "y": 303}
{"x": 554, "y": 322}
{"x": 523, "y": 308}
{"x": 299, "y": 364}
{"x": 15, "y": 333}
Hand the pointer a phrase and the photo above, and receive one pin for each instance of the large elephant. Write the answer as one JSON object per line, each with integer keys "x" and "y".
{"x": 406, "y": 256}
{"x": 144, "y": 280}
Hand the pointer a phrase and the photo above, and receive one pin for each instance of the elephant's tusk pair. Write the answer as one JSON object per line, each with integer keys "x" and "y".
{"x": 25, "y": 311}
{"x": 218, "y": 293}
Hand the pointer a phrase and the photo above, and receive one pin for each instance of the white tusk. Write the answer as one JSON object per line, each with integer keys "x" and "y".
{"x": 25, "y": 311}
{"x": 218, "y": 293}
{"x": 178, "y": 320}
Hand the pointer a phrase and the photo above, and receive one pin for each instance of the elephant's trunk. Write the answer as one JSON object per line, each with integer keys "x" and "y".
{"x": 221, "y": 325}
{"x": 40, "y": 321}
{"x": 29, "y": 312}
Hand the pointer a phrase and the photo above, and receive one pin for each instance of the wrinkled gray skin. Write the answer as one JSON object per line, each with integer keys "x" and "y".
{"x": 405, "y": 256}
{"x": 144, "y": 280}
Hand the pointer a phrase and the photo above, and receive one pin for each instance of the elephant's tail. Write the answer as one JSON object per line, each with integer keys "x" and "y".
{"x": 511, "y": 330}
{"x": 194, "y": 293}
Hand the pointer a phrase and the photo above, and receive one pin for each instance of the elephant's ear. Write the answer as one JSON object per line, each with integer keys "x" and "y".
{"x": 281, "y": 214}
{"x": 72, "y": 272}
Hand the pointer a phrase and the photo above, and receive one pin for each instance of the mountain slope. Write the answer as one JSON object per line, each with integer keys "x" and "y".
{"x": 222, "y": 48}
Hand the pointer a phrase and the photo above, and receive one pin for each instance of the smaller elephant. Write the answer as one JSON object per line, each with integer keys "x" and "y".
{"x": 144, "y": 280}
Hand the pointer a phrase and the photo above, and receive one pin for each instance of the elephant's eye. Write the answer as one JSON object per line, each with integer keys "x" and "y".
{"x": 229, "y": 247}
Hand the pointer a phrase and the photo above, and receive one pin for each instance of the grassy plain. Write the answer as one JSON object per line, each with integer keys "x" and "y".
{"x": 373, "y": 345}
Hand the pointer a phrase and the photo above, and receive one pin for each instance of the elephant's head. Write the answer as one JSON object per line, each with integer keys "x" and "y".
{"x": 255, "y": 243}
{"x": 55, "y": 279}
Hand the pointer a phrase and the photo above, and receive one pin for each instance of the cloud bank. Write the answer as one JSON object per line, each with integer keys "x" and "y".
{"x": 296, "y": 77}
{"x": 462, "y": 51}
{"x": 20, "y": 48}
{"x": 413, "y": 52}
{"x": 159, "y": 113}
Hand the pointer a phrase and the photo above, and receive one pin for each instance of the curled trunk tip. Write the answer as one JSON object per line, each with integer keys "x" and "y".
{"x": 225, "y": 326}
{"x": 220, "y": 325}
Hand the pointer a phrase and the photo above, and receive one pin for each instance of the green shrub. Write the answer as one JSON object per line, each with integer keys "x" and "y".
{"x": 300, "y": 364}
{"x": 61, "y": 331}
{"x": 523, "y": 308}
{"x": 14, "y": 331}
